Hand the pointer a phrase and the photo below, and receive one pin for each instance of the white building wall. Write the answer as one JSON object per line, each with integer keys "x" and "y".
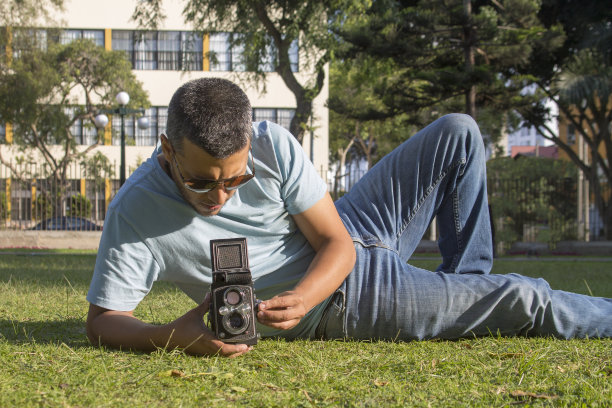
{"x": 528, "y": 136}
{"x": 160, "y": 85}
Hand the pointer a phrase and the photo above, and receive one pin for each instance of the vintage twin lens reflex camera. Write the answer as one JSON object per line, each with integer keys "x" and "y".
{"x": 233, "y": 308}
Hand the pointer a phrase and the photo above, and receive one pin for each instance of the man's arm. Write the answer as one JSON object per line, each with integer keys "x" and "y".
{"x": 188, "y": 332}
{"x": 334, "y": 260}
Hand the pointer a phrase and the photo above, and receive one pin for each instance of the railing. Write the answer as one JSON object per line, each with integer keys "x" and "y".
{"x": 543, "y": 210}
{"x": 37, "y": 200}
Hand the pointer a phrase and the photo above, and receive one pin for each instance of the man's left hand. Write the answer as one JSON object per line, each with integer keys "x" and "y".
{"x": 283, "y": 311}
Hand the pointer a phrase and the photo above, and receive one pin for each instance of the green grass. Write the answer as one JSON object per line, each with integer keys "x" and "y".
{"x": 47, "y": 361}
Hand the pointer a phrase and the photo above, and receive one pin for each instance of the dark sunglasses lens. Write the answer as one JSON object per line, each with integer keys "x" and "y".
{"x": 201, "y": 184}
{"x": 236, "y": 182}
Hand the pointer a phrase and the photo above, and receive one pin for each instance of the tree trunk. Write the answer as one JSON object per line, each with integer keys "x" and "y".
{"x": 468, "y": 50}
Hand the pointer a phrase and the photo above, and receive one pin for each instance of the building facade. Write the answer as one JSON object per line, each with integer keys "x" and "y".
{"x": 162, "y": 60}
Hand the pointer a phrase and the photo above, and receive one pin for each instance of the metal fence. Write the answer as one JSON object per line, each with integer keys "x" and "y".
{"x": 30, "y": 197}
{"x": 527, "y": 210}
{"x": 543, "y": 210}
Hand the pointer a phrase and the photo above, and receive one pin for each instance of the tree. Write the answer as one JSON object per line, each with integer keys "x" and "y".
{"x": 266, "y": 31}
{"x": 27, "y": 13}
{"x": 449, "y": 51}
{"x": 44, "y": 92}
{"x": 578, "y": 79}
{"x": 361, "y": 128}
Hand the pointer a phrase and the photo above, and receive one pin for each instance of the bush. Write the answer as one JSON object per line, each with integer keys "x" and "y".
{"x": 79, "y": 205}
{"x": 3, "y": 207}
{"x": 532, "y": 199}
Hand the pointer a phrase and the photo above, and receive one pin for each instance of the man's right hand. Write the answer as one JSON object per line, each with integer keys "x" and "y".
{"x": 188, "y": 332}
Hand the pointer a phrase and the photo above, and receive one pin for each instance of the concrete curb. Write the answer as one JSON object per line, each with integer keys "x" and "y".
{"x": 91, "y": 240}
{"x": 50, "y": 239}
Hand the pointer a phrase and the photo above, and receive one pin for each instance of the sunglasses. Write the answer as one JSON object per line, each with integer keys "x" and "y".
{"x": 201, "y": 186}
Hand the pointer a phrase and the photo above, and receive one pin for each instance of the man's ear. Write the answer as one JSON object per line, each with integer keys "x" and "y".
{"x": 166, "y": 146}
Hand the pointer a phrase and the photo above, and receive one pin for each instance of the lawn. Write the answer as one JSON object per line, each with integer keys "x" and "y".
{"x": 47, "y": 361}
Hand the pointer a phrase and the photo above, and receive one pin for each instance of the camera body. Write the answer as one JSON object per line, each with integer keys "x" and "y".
{"x": 233, "y": 305}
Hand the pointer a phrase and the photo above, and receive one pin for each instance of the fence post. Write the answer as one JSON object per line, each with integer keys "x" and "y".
{"x": 8, "y": 199}
{"x": 33, "y": 188}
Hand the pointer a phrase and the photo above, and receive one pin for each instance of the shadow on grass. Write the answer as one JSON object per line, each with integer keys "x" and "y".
{"x": 68, "y": 331}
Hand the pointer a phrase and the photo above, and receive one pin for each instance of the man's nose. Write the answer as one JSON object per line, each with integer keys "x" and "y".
{"x": 220, "y": 194}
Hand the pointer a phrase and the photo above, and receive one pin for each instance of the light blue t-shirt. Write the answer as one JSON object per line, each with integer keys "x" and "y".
{"x": 151, "y": 233}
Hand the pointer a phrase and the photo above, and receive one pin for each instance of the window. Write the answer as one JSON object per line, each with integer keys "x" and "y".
{"x": 145, "y": 50}
{"x": 280, "y": 116}
{"x": 157, "y": 124}
{"x": 220, "y": 53}
{"x": 571, "y": 134}
{"x": 294, "y": 56}
{"x": 39, "y": 38}
{"x": 160, "y": 50}
{"x": 67, "y": 36}
{"x": 141, "y": 137}
{"x": 28, "y": 39}
{"x": 83, "y": 131}
{"x": 21, "y": 203}
{"x": 130, "y": 124}
{"x": 227, "y": 55}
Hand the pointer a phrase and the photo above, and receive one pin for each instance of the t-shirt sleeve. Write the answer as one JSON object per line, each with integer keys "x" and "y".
{"x": 125, "y": 268}
{"x": 302, "y": 186}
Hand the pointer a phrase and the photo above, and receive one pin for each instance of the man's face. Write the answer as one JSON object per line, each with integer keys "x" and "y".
{"x": 193, "y": 163}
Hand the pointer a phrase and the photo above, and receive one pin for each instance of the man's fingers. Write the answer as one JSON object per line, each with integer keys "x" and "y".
{"x": 277, "y": 315}
{"x": 233, "y": 350}
{"x": 279, "y": 302}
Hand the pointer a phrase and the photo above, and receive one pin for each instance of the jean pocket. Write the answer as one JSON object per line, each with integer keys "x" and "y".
{"x": 332, "y": 324}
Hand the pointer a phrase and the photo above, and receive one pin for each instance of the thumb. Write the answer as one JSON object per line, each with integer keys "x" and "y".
{"x": 203, "y": 307}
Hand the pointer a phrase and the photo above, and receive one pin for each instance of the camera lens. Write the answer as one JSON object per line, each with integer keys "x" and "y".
{"x": 236, "y": 321}
{"x": 232, "y": 297}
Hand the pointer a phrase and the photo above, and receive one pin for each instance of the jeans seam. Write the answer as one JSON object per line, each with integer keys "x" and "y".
{"x": 425, "y": 196}
{"x": 377, "y": 244}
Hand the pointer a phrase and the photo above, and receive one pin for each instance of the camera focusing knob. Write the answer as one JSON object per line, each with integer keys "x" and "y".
{"x": 244, "y": 308}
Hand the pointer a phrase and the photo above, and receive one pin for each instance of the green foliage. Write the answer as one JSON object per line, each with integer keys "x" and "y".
{"x": 3, "y": 206}
{"x": 37, "y": 92}
{"x": 98, "y": 168}
{"x": 576, "y": 78}
{"x": 358, "y": 114}
{"x": 37, "y": 96}
{"x": 533, "y": 198}
{"x": 443, "y": 51}
{"x": 44, "y": 206}
{"x": 264, "y": 32}
{"x": 79, "y": 205}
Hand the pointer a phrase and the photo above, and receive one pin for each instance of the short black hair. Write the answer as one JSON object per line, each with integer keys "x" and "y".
{"x": 213, "y": 113}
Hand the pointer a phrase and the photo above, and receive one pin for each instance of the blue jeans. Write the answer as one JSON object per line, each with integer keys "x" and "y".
{"x": 441, "y": 172}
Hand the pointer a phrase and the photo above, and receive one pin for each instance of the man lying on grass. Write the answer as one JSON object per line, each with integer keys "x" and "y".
{"x": 323, "y": 269}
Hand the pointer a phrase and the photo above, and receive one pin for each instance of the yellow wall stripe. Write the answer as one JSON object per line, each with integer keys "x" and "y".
{"x": 8, "y": 133}
{"x": 33, "y": 197}
{"x": 205, "y": 49}
{"x": 108, "y": 132}
{"x": 108, "y": 39}
{"x": 107, "y": 193}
